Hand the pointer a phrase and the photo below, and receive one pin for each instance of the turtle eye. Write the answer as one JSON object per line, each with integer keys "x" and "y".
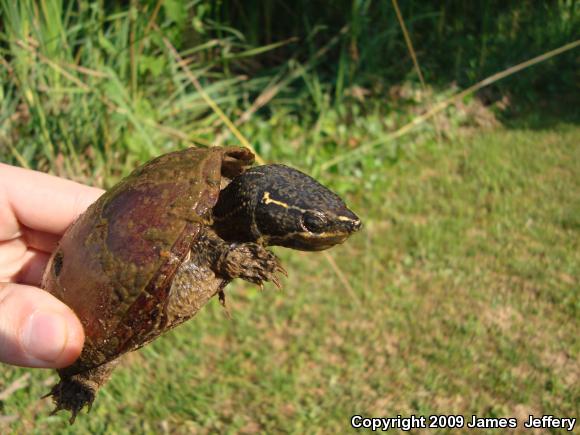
{"x": 314, "y": 222}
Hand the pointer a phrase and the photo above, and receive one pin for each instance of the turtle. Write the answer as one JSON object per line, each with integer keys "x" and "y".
{"x": 157, "y": 246}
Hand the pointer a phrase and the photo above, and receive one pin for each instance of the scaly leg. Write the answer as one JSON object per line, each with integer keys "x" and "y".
{"x": 75, "y": 392}
{"x": 251, "y": 262}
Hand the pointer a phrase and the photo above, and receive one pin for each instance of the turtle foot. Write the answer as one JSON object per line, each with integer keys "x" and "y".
{"x": 73, "y": 394}
{"x": 251, "y": 262}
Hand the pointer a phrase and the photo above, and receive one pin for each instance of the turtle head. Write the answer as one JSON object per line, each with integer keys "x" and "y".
{"x": 278, "y": 205}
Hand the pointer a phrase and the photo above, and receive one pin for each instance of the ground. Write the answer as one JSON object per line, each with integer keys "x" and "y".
{"x": 460, "y": 296}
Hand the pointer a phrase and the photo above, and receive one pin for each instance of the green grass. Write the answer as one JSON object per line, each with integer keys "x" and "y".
{"x": 463, "y": 286}
{"x": 464, "y": 300}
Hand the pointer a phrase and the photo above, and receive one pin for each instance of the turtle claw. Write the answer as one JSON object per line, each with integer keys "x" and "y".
{"x": 276, "y": 282}
{"x": 73, "y": 417}
{"x": 59, "y": 407}
{"x": 222, "y": 297}
{"x": 55, "y": 410}
{"x": 71, "y": 395}
{"x": 280, "y": 269}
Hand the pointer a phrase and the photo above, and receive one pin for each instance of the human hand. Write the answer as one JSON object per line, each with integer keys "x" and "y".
{"x": 36, "y": 329}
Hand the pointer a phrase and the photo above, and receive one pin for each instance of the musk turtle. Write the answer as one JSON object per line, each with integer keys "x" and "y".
{"x": 151, "y": 252}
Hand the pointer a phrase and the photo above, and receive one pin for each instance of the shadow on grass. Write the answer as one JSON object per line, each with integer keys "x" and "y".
{"x": 543, "y": 112}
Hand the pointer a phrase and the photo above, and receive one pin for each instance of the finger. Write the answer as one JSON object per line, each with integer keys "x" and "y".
{"x": 33, "y": 265}
{"x": 19, "y": 263}
{"x": 39, "y": 240}
{"x": 11, "y": 254}
{"x": 36, "y": 329}
{"x": 40, "y": 201}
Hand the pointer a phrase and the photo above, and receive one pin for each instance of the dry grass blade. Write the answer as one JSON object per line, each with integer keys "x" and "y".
{"x": 150, "y": 24}
{"x": 264, "y": 98}
{"x": 169, "y": 131}
{"x": 414, "y": 57}
{"x": 21, "y": 160}
{"x": 54, "y": 65}
{"x": 132, "y": 54}
{"x": 272, "y": 90}
{"x": 211, "y": 103}
{"x": 408, "y": 42}
{"x": 18, "y": 384}
{"x": 342, "y": 278}
{"x": 452, "y": 100}
{"x": 7, "y": 419}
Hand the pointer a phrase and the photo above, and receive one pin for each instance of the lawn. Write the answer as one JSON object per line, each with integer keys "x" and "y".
{"x": 460, "y": 296}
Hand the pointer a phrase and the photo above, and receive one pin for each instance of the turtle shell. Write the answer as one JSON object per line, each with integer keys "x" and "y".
{"x": 115, "y": 264}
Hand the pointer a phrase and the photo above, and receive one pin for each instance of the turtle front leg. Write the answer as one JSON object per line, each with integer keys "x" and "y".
{"x": 249, "y": 261}
{"x": 76, "y": 391}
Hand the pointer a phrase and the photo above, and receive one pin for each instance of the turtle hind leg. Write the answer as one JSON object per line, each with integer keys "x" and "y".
{"x": 76, "y": 391}
{"x": 72, "y": 395}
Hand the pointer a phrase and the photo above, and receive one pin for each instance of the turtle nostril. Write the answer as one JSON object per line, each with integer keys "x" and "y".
{"x": 355, "y": 225}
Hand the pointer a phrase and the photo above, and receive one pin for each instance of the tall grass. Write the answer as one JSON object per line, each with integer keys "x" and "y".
{"x": 98, "y": 86}
{"x": 88, "y": 88}
{"x": 457, "y": 40}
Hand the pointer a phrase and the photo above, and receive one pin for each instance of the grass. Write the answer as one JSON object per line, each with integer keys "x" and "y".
{"x": 466, "y": 301}
{"x": 462, "y": 293}
{"x": 86, "y": 83}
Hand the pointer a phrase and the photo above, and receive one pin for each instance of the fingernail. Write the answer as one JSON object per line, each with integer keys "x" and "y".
{"x": 44, "y": 335}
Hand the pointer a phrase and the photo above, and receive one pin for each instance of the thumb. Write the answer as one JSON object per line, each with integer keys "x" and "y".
{"x": 36, "y": 329}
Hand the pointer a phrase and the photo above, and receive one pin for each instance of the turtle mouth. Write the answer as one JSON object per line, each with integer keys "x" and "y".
{"x": 307, "y": 241}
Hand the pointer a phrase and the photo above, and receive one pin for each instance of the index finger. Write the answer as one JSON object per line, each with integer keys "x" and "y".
{"x": 40, "y": 201}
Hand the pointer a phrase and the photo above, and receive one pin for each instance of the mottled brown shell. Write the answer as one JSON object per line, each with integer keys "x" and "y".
{"x": 115, "y": 264}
